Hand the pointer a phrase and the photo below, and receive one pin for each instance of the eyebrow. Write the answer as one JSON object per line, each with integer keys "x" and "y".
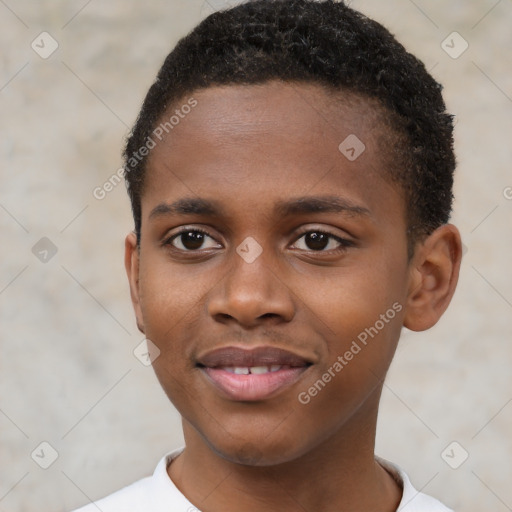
{"x": 188, "y": 206}
{"x": 319, "y": 204}
{"x": 295, "y": 206}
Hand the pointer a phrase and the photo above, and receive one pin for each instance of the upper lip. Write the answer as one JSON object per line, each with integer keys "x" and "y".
{"x": 243, "y": 357}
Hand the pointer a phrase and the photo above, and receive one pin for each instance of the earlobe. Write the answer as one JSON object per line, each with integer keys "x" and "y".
{"x": 131, "y": 263}
{"x": 433, "y": 279}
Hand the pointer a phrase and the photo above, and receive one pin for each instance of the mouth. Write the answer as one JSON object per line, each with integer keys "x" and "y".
{"x": 252, "y": 375}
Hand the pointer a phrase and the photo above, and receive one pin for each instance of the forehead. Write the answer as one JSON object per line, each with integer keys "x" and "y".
{"x": 261, "y": 143}
{"x": 240, "y": 111}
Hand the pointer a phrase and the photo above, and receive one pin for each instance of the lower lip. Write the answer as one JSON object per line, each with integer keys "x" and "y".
{"x": 253, "y": 387}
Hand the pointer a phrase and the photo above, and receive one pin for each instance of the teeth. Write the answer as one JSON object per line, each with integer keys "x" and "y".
{"x": 259, "y": 369}
{"x": 255, "y": 370}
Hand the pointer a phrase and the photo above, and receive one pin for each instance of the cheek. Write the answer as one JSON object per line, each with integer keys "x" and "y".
{"x": 362, "y": 312}
{"x": 167, "y": 292}
{"x": 173, "y": 308}
{"x": 167, "y": 303}
{"x": 168, "y": 313}
{"x": 357, "y": 298}
{"x": 356, "y": 364}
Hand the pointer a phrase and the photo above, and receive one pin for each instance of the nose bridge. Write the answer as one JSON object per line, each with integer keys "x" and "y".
{"x": 251, "y": 288}
{"x": 250, "y": 274}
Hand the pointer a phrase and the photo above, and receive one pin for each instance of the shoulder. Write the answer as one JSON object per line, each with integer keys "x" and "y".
{"x": 132, "y": 498}
{"x": 151, "y": 494}
{"x": 412, "y": 500}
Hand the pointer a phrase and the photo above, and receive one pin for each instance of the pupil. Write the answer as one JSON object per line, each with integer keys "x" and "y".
{"x": 317, "y": 241}
{"x": 192, "y": 239}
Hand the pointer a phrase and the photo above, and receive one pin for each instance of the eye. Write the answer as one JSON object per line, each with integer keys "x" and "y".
{"x": 190, "y": 240}
{"x": 321, "y": 241}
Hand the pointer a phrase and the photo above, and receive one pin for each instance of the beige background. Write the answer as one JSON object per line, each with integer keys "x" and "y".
{"x": 68, "y": 374}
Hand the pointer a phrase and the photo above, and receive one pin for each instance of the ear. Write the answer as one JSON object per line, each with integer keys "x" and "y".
{"x": 434, "y": 272}
{"x": 131, "y": 263}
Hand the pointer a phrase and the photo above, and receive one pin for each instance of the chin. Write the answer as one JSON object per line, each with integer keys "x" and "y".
{"x": 258, "y": 453}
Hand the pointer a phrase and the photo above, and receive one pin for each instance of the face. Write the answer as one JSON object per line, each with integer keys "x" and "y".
{"x": 273, "y": 271}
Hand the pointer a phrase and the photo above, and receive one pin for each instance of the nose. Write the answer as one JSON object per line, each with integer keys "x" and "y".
{"x": 251, "y": 294}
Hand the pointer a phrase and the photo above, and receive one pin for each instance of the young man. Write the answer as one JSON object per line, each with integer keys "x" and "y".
{"x": 290, "y": 174}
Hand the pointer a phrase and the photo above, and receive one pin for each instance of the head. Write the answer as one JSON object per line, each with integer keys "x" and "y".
{"x": 325, "y": 43}
{"x": 309, "y": 157}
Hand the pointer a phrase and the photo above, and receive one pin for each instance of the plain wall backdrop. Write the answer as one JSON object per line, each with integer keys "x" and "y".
{"x": 68, "y": 374}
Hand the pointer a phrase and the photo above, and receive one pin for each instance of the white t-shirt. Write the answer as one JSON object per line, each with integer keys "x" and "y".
{"x": 158, "y": 493}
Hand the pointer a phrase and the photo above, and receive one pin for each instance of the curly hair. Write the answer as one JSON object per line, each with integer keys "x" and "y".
{"x": 319, "y": 42}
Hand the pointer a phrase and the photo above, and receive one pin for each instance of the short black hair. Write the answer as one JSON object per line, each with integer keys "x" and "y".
{"x": 318, "y": 42}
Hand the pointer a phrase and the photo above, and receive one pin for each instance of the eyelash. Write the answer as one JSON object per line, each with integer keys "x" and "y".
{"x": 344, "y": 243}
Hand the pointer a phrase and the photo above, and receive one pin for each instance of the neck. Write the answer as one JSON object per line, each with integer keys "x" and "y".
{"x": 340, "y": 474}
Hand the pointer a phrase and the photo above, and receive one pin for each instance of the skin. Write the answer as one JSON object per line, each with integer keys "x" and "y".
{"x": 247, "y": 148}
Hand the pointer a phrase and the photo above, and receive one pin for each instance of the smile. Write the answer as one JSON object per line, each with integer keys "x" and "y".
{"x": 252, "y": 375}
{"x": 245, "y": 384}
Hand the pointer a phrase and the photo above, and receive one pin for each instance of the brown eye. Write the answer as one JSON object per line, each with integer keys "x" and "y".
{"x": 191, "y": 240}
{"x": 316, "y": 241}
{"x": 319, "y": 241}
